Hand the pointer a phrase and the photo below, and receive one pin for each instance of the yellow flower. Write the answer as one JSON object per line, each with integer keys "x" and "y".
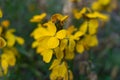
{"x": 5, "y": 23}
{"x": 47, "y": 38}
{"x": 20, "y": 40}
{"x": 38, "y": 18}
{"x": 7, "y": 59}
{"x": 52, "y": 34}
{"x": 90, "y": 28}
{"x": 1, "y": 14}
{"x": 11, "y": 38}
{"x": 2, "y": 42}
{"x": 68, "y": 44}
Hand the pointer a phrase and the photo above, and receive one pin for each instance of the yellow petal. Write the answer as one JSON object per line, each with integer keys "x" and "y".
{"x": 38, "y": 18}
{"x": 62, "y": 70}
{"x": 35, "y": 44}
{"x": 79, "y": 14}
{"x": 61, "y": 34}
{"x": 52, "y": 42}
{"x": 63, "y": 44}
{"x": 2, "y": 42}
{"x": 40, "y": 31}
{"x": 98, "y": 15}
{"x": 40, "y": 49}
{"x": 4, "y": 65}
{"x": 1, "y": 14}
{"x": 70, "y": 75}
{"x": 10, "y": 39}
{"x": 1, "y": 29}
{"x": 42, "y": 44}
{"x": 102, "y": 16}
{"x": 47, "y": 55}
{"x": 59, "y": 72}
{"x": 78, "y": 34}
{"x": 54, "y": 63}
{"x": 69, "y": 54}
{"x": 54, "y": 74}
{"x": 70, "y": 30}
{"x": 83, "y": 27}
{"x": 93, "y": 41}
{"x": 71, "y": 44}
{"x": 93, "y": 26}
{"x": 79, "y": 48}
{"x": 51, "y": 28}
{"x": 59, "y": 53}
{"x": 63, "y": 18}
{"x": 20, "y": 40}
{"x": 69, "y": 50}
{"x": 11, "y": 59}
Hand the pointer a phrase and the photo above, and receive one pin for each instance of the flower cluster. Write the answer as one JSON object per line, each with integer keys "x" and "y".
{"x": 57, "y": 44}
{"x": 8, "y": 52}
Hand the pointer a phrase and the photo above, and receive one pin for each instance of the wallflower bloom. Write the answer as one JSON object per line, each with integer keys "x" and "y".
{"x": 89, "y": 28}
{"x": 68, "y": 44}
{"x": 7, "y": 42}
{"x": 49, "y": 39}
{"x": 38, "y": 18}
{"x": 11, "y": 38}
{"x": 8, "y": 58}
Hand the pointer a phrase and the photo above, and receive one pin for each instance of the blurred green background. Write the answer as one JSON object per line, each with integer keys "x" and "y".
{"x": 102, "y": 61}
